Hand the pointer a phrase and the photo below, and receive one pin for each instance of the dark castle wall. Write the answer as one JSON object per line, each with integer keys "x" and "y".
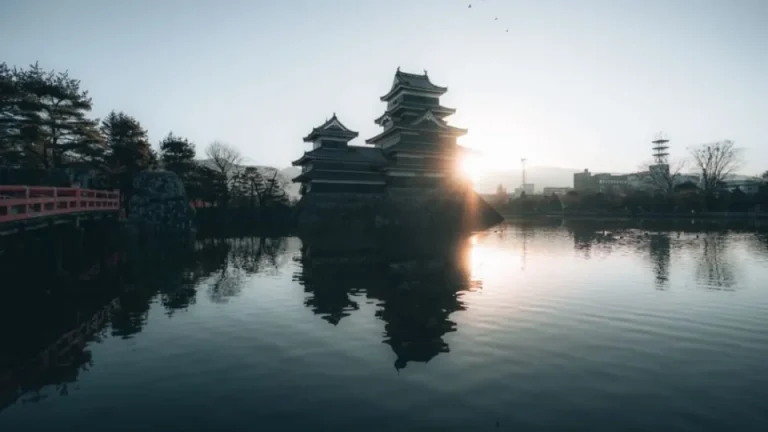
{"x": 396, "y": 211}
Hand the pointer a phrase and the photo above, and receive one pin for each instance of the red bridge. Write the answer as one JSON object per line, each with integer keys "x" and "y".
{"x": 32, "y": 206}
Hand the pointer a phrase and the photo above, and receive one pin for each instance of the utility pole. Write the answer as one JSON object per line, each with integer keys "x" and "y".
{"x": 522, "y": 162}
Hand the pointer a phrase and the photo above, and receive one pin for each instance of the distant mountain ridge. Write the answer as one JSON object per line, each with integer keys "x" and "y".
{"x": 540, "y": 176}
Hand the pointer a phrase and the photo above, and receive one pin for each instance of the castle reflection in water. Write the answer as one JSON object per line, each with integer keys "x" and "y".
{"x": 415, "y": 285}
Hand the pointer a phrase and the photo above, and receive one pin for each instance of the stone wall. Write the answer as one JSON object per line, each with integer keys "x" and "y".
{"x": 159, "y": 203}
{"x": 396, "y": 212}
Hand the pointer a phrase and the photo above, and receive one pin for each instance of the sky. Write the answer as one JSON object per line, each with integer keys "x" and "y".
{"x": 572, "y": 84}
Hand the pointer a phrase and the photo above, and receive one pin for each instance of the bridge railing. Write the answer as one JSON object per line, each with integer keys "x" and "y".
{"x": 26, "y": 202}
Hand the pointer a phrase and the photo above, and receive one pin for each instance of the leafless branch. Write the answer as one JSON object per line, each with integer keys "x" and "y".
{"x": 715, "y": 162}
{"x": 663, "y": 177}
{"x": 225, "y": 158}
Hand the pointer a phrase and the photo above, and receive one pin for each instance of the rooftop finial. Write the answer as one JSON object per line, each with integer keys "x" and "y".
{"x": 398, "y": 68}
{"x": 425, "y": 72}
{"x": 334, "y": 114}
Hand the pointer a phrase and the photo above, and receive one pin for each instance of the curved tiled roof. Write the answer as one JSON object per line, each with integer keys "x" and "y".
{"x": 331, "y": 128}
{"x": 358, "y": 154}
{"x": 414, "y": 82}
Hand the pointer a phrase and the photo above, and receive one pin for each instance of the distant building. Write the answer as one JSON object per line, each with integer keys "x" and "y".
{"x": 556, "y": 190}
{"x": 527, "y": 188}
{"x": 661, "y": 170}
{"x": 687, "y": 178}
{"x": 583, "y": 182}
{"x": 749, "y": 187}
{"x": 501, "y": 196}
{"x": 611, "y": 182}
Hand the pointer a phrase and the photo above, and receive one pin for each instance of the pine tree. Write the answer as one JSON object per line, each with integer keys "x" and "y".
{"x": 11, "y": 144}
{"x": 177, "y": 154}
{"x": 128, "y": 151}
{"x": 259, "y": 188}
{"x": 127, "y": 143}
{"x": 207, "y": 185}
{"x": 50, "y": 117}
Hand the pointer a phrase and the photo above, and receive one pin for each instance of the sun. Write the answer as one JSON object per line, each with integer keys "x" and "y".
{"x": 471, "y": 167}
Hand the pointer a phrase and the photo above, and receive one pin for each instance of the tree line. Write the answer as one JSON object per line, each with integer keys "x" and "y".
{"x": 45, "y": 127}
{"x": 712, "y": 163}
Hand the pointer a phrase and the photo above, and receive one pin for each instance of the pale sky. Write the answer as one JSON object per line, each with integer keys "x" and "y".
{"x": 574, "y": 84}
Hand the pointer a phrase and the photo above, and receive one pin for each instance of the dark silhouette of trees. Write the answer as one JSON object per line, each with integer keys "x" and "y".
{"x": 44, "y": 119}
{"x": 206, "y": 185}
{"x": 715, "y": 161}
{"x": 663, "y": 178}
{"x": 47, "y": 138}
{"x": 254, "y": 187}
{"x": 10, "y": 132}
{"x": 225, "y": 158}
{"x": 246, "y": 184}
{"x": 715, "y": 268}
{"x": 685, "y": 199}
{"x": 177, "y": 154}
{"x": 226, "y": 162}
{"x": 128, "y": 151}
{"x": 128, "y": 148}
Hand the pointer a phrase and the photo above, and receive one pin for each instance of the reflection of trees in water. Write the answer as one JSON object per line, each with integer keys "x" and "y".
{"x": 660, "y": 246}
{"x": 715, "y": 268}
{"x": 759, "y": 243}
{"x": 583, "y": 238}
{"x": 417, "y": 290}
{"x": 58, "y": 360}
{"x": 258, "y": 254}
{"x": 56, "y": 353}
{"x": 247, "y": 255}
{"x": 168, "y": 272}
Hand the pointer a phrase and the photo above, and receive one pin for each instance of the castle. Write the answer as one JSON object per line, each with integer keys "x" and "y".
{"x": 412, "y": 164}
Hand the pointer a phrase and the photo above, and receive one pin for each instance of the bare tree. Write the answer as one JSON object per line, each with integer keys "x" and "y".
{"x": 273, "y": 189}
{"x": 715, "y": 161}
{"x": 260, "y": 186}
{"x": 663, "y": 177}
{"x": 225, "y": 158}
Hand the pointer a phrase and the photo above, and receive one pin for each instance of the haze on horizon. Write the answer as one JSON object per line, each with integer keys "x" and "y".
{"x": 571, "y": 84}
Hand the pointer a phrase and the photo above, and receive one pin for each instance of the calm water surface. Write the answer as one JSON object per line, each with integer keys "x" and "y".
{"x": 562, "y": 327}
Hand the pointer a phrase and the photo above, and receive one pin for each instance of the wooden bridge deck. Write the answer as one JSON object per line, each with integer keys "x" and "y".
{"x": 30, "y": 207}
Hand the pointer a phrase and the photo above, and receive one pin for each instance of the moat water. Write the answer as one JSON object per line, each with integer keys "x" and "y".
{"x": 556, "y": 326}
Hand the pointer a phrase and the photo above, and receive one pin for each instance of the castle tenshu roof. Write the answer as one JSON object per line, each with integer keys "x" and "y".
{"x": 439, "y": 111}
{"x": 427, "y": 121}
{"x": 409, "y": 81}
{"x": 332, "y": 128}
{"x": 339, "y": 176}
{"x": 352, "y": 154}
